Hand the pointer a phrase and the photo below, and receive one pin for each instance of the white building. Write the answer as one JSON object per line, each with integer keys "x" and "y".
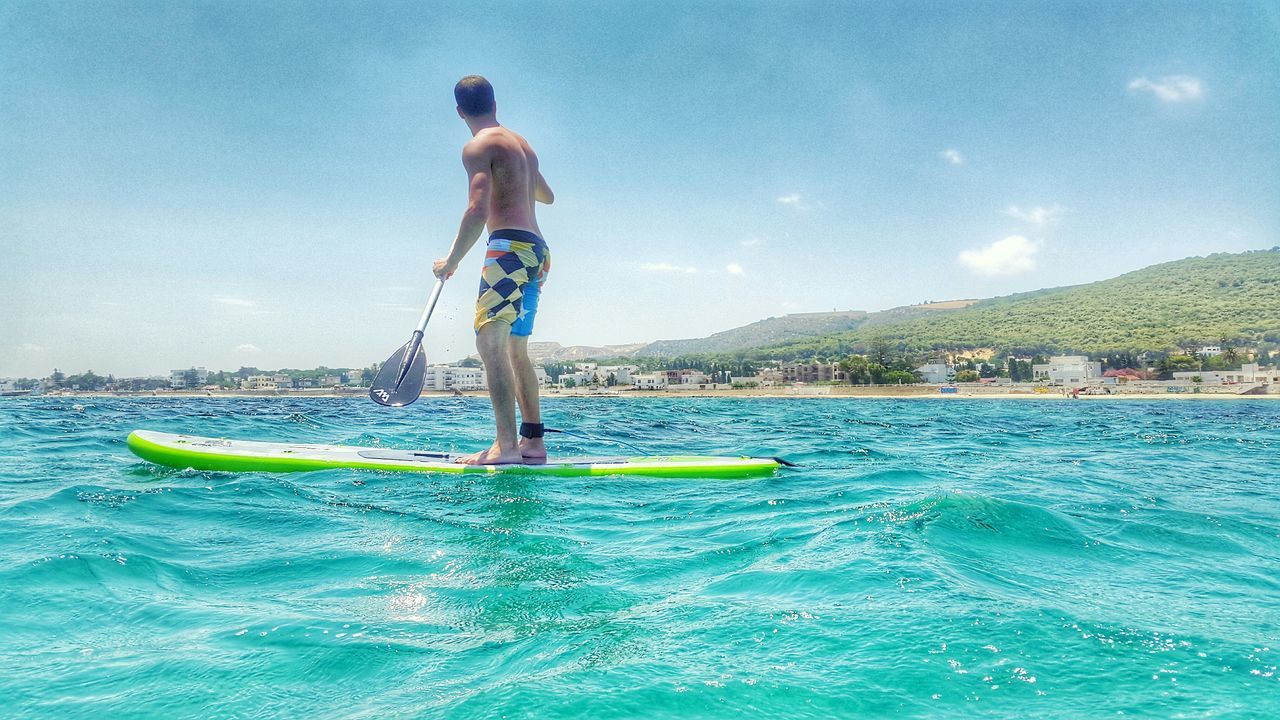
{"x": 1253, "y": 372}
{"x": 1210, "y": 351}
{"x": 654, "y": 381}
{"x": 266, "y": 382}
{"x": 578, "y": 379}
{"x": 449, "y": 377}
{"x": 8, "y": 385}
{"x": 178, "y": 378}
{"x": 1248, "y": 373}
{"x": 621, "y": 373}
{"x": 936, "y": 373}
{"x": 1067, "y": 370}
{"x": 692, "y": 377}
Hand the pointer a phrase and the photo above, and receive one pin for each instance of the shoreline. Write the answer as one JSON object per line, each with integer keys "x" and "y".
{"x": 818, "y": 392}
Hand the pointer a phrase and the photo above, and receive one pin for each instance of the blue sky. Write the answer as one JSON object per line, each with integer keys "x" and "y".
{"x": 266, "y": 184}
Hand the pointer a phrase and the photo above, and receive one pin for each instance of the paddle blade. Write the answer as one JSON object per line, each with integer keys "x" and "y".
{"x": 389, "y": 388}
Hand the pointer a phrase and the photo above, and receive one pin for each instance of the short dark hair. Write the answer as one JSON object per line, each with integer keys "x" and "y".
{"x": 474, "y": 95}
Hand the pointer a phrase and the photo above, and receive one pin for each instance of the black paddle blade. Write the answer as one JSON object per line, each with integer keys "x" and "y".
{"x": 392, "y": 390}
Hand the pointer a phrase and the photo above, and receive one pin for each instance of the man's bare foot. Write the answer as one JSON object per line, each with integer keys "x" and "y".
{"x": 493, "y": 456}
{"x": 533, "y": 451}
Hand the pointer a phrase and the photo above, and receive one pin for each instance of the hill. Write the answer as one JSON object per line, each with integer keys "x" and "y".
{"x": 1235, "y": 297}
{"x": 541, "y": 352}
{"x": 762, "y": 332}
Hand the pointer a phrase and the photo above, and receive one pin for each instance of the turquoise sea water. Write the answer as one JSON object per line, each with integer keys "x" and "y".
{"x": 932, "y": 559}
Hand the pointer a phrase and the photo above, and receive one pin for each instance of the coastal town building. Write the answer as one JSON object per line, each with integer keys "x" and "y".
{"x": 1209, "y": 351}
{"x": 266, "y": 382}
{"x": 621, "y": 373}
{"x": 1248, "y": 373}
{"x": 1067, "y": 370}
{"x": 189, "y": 378}
{"x": 811, "y": 372}
{"x": 650, "y": 381}
{"x": 936, "y": 373}
{"x": 451, "y": 377}
{"x": 577, "y": 379}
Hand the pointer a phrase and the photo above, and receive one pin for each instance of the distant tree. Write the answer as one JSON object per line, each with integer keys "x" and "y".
{"x": 1216, "y": 362}
{"x": 880, "y": 351}
{"x": 899, "y": 377}
{"x": 57, "y": 378}
{"x": 967, "y": 376}
{"x": 85, "y": 381}
{"x": 856, "y": 370}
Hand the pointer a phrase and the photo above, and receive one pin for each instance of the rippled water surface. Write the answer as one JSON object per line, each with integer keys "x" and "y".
{"x": 930, "y": 558}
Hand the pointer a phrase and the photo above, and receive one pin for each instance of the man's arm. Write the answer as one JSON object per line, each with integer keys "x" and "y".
{"x": 542, "y": 193}
{"x": 480, "y": 184}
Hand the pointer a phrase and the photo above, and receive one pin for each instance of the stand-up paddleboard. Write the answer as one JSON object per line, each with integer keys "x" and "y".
{"x": 202, "y": 453}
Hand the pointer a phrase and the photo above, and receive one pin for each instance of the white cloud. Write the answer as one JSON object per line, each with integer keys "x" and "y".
{"x": 1170, "y": 88}
{"x": 1038, "y": 216}
{"x": 232, "y": 301}
{"x": 246, "y": 348}
{"x": 1010, "y": 256}
{"x": 735, "y": 269}
{"x": 749, "y": 242}
{"x": 31, "y": 347}
{"x": 794, "y": 200}
{"x": 668, "y": 268}
{"x": 952, "y": 156}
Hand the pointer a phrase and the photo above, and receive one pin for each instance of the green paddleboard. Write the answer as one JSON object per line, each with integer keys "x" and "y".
{"x": 202, "y": 453}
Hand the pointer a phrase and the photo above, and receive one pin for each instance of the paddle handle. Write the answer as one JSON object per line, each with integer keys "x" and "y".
{"x": 431, "y": 306}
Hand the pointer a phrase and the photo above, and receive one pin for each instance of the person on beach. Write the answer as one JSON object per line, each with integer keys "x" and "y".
{"x": 504, "y": 183}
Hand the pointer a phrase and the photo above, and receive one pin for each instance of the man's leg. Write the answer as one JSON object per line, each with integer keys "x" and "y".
{"x": 533, "y": 450}
{"x": 492, "y": 341}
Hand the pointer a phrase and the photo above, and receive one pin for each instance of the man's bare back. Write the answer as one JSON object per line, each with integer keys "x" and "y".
{"x": 512, "y": 169}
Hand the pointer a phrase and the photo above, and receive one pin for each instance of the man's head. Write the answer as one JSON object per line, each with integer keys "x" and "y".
{"x": 475, "y": 97}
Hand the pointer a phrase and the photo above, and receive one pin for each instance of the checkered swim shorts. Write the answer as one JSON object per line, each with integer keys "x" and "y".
{"x": 515, "y": 266}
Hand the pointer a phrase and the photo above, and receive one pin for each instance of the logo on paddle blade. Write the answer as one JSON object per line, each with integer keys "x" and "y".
{"x": 383, "y": 394}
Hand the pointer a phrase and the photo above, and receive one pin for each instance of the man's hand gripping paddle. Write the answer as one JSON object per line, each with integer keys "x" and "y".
{"x": 399, "y": 381}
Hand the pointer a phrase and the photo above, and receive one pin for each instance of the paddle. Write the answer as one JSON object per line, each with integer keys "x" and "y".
{"x": 399, "y": 380}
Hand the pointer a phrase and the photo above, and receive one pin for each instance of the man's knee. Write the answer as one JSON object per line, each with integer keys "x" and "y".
{"x": 493, "y": 337}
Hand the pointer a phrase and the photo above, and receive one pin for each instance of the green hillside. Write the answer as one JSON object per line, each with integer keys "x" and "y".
{"x": 787, "y": 328}
{"x": 1197, "y": 300}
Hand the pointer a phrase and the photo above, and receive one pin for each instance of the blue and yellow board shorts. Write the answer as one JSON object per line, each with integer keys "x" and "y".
{"x": 515, "y": 267}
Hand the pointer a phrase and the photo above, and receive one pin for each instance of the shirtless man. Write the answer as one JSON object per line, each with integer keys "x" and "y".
{"x": 504, "y": 184}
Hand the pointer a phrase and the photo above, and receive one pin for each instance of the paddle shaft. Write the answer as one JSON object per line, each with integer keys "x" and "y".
{"x": 431, "y": 306}
{"x": 416, "y": 340}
